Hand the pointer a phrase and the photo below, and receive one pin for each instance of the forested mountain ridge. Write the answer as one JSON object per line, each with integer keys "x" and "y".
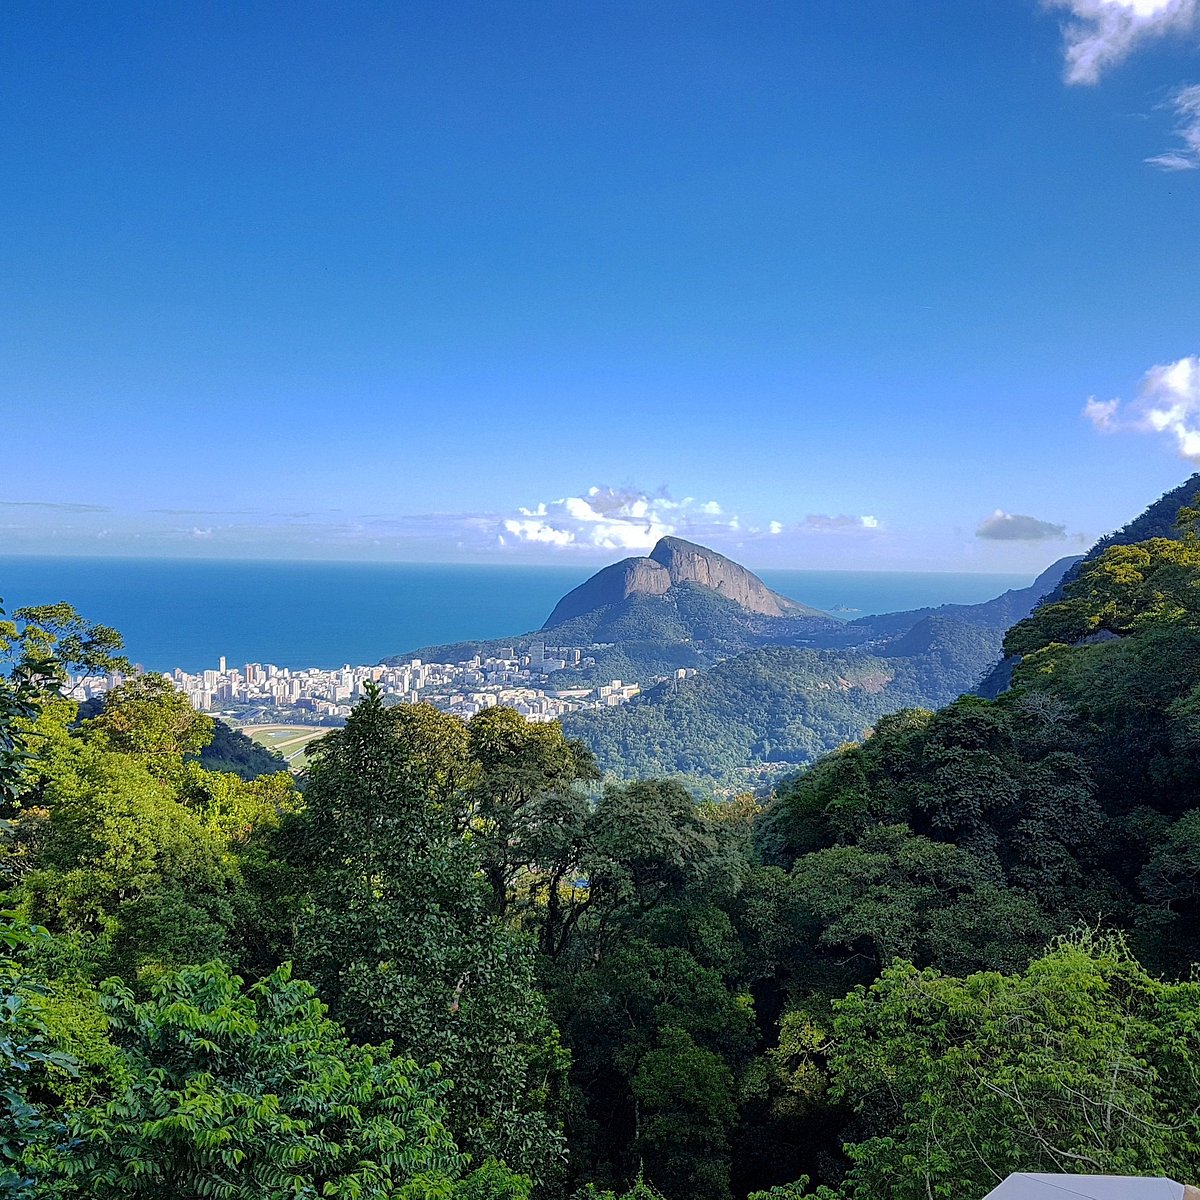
{"x": 1159, "y": 520}
{"x": 765, "y": 712}
{"x": 770, "y": 711}
{"x": 962, "y": 947}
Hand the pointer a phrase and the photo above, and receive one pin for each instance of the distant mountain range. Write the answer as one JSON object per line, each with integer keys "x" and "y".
{"x": 779, "y": 683}
{"x": 765, "y": 712}
{"x": 1000, "y": 612}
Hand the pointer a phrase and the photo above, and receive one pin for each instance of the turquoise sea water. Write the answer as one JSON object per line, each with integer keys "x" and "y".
{"x": 305, "y": 614}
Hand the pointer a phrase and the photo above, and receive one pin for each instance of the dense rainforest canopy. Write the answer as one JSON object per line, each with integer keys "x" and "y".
{"x": 462, "y": 965}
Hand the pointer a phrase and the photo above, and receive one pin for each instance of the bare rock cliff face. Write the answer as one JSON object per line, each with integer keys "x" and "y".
{"x": 689, "y": 563}
{"x": 674, "y": 561}
{"x": 612, "y": 585}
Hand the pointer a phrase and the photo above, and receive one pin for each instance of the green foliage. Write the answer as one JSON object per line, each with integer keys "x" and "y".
{"x": 645, "y": 987}
{"x": 640, "y": 1190}
{"x": 29, "y": 681}
{"x": 54, "y": 639}
{"x": 28, "y": 1057}
{"x": 229, "y": 752}
{"x": 1081, "y": 1063}
{"x": 397, "y": 932}
{"x": 19, "y": 705}
{"x": 767, "y": 710}
{"x": 232, "y": 752}
{"x": 1128, "y": 588}
{"x": 253, "y": 1092}
{"x": 119, "y": 860}
{"x": 148, "y": 715}
{"x": 112, "y": 840}
{"x": 686, "y": 1097}
{"x": 895, "y": 894}
{"x": 960, "y": 840}
{"x": 526, "y": 772}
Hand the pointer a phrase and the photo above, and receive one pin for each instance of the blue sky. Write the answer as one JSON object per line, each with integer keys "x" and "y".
{"x": 820, "y": 284}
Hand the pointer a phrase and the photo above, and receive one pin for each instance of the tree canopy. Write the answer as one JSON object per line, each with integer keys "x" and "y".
{"x": 461, "y": 964}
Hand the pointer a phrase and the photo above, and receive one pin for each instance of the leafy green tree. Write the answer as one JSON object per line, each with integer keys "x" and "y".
{"x": 398, "y": 933}
{"x": 687, "y": 1106}
{"x": 895, "y": 894}
{"x": 54, "y": 639}
{"x": 19, "y": 705}
{"x": 526, "y": 772}
{"x": 1081, "y": 1063}
{"x": 28, "y": 1127}
{"x": 116, "y": 859}
{"x": 114, "y": 841}
{"x": 148, "y": 715}
{"x": 647, "y": 959}
{"x": 236, "y": 1092}
{"x": 33, "y": 675}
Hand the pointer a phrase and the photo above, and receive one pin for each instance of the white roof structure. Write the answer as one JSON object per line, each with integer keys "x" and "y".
{"x": 1030, "y": 1186}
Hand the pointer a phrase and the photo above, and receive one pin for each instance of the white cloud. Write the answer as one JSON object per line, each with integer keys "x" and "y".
{"x": 1185, "y": 156}
{"x": 538, "y": 531}
{"x": 608, "y": 518}
{"x": 630, "y": 520}
{"x": 1101, "y": 413}
{"x": 1103, "y": 33}
{"x": 1168, "y": 401}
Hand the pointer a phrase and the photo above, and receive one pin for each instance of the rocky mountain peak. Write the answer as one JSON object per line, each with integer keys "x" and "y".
{"x": 673, "y": 562}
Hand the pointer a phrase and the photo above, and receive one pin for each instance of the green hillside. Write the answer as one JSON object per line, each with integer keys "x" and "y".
{"x": 982, "y": 921}
{"x": 765, "y": 712}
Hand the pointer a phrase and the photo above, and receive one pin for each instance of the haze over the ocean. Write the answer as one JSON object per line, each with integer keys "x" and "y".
{"x": 818, "y": 285}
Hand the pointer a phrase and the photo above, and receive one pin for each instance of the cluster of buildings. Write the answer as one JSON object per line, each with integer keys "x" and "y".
{"x": 521, "y": 680}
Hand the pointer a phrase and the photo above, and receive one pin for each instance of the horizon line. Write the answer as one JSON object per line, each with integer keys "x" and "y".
{"x": 594, "y": 566}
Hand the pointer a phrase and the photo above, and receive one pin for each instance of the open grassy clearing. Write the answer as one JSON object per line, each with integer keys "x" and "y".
{"x": 289, "y": 740}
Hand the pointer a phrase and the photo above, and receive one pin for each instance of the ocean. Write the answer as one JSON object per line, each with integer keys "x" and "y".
{"x": 188, "y": 613}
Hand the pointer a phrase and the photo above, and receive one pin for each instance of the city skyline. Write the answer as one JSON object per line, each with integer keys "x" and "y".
{"x": 514, "y": 677}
